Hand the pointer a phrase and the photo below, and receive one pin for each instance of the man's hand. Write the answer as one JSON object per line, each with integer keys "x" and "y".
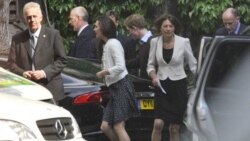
{"x": 37, "y": 75}
{"x": 27, "y": 74}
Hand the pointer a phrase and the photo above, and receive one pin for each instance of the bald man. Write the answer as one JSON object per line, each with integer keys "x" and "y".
{"x": 231, "y": 21}
{"x": 83, "y": 46}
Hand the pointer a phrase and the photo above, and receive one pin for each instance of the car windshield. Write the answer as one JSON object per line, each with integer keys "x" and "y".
{"x": 70, "y": 80}
{"x": 8, "y": 80}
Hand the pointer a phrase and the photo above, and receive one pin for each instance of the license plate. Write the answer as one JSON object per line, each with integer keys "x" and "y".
{"x": 146, "y": 104}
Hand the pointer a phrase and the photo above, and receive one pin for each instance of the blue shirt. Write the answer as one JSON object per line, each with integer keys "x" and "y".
{"x": 236, "y": 31}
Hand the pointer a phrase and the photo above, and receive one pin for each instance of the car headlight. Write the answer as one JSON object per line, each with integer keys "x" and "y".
{"x": 15, "y": 131}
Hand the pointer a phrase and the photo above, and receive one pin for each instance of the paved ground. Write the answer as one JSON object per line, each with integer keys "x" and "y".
{"x": 135, "y": 136}
{"x": 145, "y": 136}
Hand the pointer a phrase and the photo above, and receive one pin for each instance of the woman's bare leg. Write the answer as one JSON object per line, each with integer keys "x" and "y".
{"x": 108, "y": 131}
{"x": 157, "y": 130}
{"x": 121, "y": 132}
{"x": 174, "y": 132}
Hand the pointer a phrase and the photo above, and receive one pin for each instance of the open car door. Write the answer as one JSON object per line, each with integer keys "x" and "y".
{"x": 217, "y": 107}
{"x": 204, "y": 46}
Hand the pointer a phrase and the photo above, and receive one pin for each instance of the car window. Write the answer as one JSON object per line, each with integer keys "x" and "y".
{"x": 227, "y": 89}
{"x": 228, "y": 58}
{"x": 71, "y": 80}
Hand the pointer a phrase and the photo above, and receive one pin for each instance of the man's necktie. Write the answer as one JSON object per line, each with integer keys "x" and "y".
{"x": 32, "y": 47}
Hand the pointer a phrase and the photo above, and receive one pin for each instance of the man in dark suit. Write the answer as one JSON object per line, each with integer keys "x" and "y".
{"x": 38, "y": 53}
{"x": 232, "y": 24}
{"x": 84, "y": 46}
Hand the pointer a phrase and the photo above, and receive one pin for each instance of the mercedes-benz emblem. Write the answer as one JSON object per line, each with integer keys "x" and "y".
{"x": 61, "y": 130}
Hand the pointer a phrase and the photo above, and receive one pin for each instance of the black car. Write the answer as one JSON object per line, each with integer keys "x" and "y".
{"x": 86, "y": 97}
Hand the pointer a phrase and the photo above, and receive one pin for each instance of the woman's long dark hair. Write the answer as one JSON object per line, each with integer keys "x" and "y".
{"x": 108, "y": 30}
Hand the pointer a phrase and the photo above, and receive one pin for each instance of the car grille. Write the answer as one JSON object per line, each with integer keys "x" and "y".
{"x": 56, "y": 128}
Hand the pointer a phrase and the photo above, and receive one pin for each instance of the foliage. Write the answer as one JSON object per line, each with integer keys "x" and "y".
{"x": 59, "y": 11}
{"x": 205, "y": 15}
{"x": 198, "y": 17}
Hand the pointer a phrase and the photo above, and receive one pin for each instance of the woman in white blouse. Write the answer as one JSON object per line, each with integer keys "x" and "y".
{"x": 121, "y": 105}
{"x": 168, "y": 55}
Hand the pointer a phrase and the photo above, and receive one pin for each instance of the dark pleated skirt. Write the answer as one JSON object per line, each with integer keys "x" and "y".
{"x": 122, "y": 104}
{"x": 171, "y": 106}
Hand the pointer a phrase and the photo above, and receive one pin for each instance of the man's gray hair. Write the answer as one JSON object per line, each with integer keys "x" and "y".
{"x": 81, "y": 12}
{"x": 31, "y": 5}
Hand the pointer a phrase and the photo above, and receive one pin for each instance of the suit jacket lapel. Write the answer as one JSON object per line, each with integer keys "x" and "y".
{"x": 41, "y": 40}
{"x": 242, "y": 27}
{"x": 159, "y": 45}
{"x": 27, "y": 43}
{"x": 177, "y": 45}
{"x": 160, "y": 48}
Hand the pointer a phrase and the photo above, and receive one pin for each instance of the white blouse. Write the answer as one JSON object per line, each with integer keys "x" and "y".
{"x": 113, "y": 61}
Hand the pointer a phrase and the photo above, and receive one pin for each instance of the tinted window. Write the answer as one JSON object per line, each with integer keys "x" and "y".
{"x": 229, "y": 59}
{"x": 227, "y": 91}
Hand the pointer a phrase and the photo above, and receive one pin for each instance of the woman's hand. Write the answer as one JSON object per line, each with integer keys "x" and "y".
{"x": 102, "y": 73}
{"x": 155, "y": 82}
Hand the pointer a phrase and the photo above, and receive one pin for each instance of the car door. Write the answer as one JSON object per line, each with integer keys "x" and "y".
{"x": 204, "y": 46}
{"x": 190, "y": 120}
{"x": 217, "y": 107}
